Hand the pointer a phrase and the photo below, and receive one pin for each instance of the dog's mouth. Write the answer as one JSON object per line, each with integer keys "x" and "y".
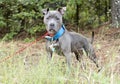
{"x": 52, "y": 31}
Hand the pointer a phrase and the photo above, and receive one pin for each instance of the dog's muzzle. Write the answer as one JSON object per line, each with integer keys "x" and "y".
{"x": 52, "y": 31}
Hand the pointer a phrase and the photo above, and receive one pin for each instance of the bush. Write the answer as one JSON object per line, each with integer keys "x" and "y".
{"x": 17, "y": 16}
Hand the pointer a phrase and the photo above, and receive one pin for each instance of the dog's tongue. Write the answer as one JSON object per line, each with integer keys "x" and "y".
{"x": 50, "y": 34}
{"x": 51, "y": 31}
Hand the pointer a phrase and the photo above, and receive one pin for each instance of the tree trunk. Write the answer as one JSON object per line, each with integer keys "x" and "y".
{"x": 77, "y": 15}
{"x": 115, "y": 10}
{"x": 106, "y": 10}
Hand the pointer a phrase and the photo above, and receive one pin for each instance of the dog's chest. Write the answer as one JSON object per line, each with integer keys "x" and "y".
{"x": 55, "y": 47}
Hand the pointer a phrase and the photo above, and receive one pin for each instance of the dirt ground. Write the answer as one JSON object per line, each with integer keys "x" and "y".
{"x": 107, "y": 45}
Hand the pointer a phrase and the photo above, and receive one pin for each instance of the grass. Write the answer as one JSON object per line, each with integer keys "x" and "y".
{"x": 31, "y": 67}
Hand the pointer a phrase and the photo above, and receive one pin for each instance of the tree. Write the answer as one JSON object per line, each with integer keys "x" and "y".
{"x": 20, "y": 18}
{"x": 23, "y": 18}
{"x": 115, "y": 12}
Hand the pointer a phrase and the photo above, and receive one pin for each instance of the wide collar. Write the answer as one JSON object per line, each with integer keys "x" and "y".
{"x": 57, "y": 35}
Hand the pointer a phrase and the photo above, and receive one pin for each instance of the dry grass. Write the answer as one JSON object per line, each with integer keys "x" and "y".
{"x": 30, "y": 66}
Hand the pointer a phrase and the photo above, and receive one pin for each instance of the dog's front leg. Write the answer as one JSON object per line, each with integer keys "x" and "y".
{"x": 49, "y": 55}
{"x": 68, "y": 58}
{"x": 66, "y": 49}
{"x": 49, "y": 51}
{"x": 65, "y": 44}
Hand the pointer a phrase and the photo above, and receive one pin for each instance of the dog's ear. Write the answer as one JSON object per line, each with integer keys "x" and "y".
{"x": 62, "y": 10}
{"x": 45, "y": 11}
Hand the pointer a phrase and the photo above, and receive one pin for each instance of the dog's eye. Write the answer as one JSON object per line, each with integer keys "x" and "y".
{"x": 57, "y": 18}
{"x": 47, "y": 18}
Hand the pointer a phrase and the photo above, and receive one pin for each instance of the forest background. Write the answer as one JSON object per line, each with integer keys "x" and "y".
{"x": 21, "y": 19}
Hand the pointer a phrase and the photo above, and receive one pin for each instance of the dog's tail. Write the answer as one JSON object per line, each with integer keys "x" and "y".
{"x": 92, "y": 37}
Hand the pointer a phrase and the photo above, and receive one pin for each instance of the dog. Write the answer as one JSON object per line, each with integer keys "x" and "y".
{"x": 67, "y": 42}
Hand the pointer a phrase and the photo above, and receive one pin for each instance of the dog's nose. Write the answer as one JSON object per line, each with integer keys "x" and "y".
{"x": 52, "y": 24}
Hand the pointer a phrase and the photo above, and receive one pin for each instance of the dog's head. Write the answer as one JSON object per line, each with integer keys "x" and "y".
{"x": 53, "y": 19}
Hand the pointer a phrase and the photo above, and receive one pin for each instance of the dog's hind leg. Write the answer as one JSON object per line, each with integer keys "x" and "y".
{"x": 91, "y": 54}
{"x": 80, "y": 59}
{"x": 77, "y": 56}
{"x": 93, "y": 57}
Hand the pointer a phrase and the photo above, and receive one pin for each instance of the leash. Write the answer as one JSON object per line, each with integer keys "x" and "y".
{"x": 23, "y": 48}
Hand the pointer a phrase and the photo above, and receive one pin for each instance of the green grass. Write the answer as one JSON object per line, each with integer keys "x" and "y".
{"x": 13, "y": 70}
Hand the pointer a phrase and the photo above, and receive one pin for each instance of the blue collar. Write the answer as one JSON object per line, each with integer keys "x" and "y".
{"x": 57, "y": 35}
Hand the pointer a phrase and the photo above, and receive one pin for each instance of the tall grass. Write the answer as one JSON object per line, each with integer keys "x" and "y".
{"x": 23, "y": 68}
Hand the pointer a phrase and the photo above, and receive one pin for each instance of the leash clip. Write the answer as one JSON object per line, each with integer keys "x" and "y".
{"x": 49, "y": 38}
{"x": 52, "y": 47}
